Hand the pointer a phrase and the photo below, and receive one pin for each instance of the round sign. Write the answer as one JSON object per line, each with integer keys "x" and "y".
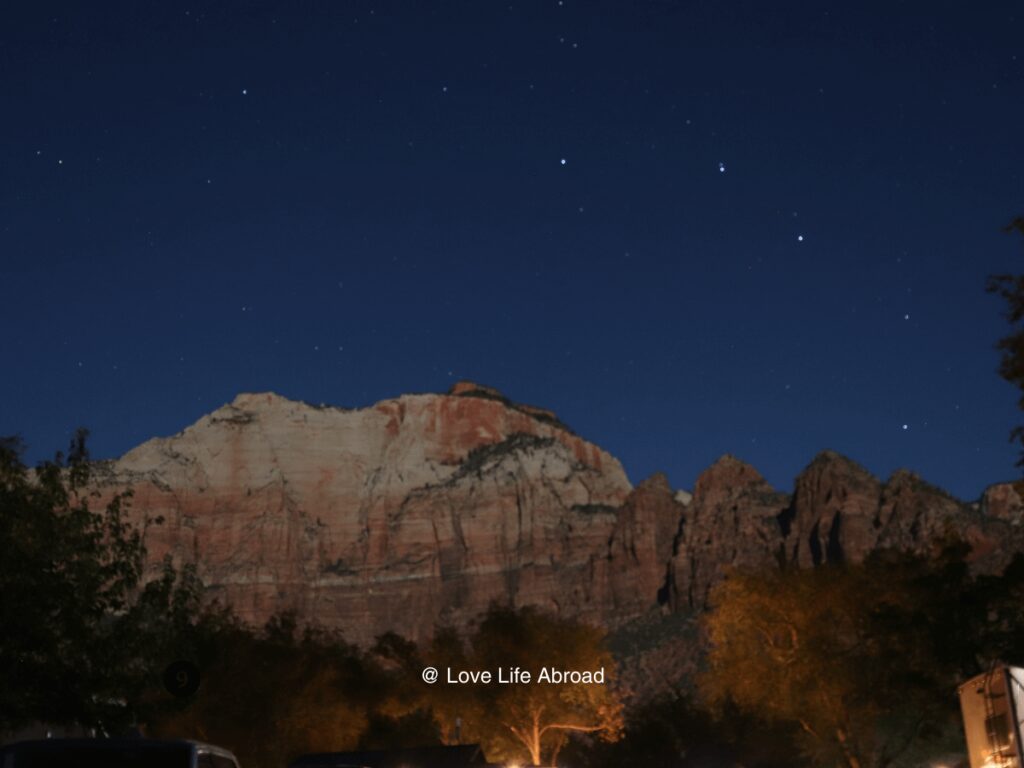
{"x": 181, "y": 678}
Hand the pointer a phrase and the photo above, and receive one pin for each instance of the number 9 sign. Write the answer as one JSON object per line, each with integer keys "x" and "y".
{"x": 181, "y": 678}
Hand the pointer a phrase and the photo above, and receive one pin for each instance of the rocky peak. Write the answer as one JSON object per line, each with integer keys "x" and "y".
{"x": 1003, "y": 501}
{"x": 732, "y": 521}
{"x": 465, "y": 388}
{"x": 472, "y": 389}
{"x": 835, "y": 503}
{"x": 728, "y": 476}
{"x": 656, "y": 484}
{"x": 646, "y": 527}
{"x": 255, "y": 401}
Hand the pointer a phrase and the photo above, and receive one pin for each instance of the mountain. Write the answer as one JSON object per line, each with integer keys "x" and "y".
{"x": 421, "y": 510}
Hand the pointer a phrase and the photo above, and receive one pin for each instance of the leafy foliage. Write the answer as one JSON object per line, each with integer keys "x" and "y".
{"x": 273, "y": 694}
{"x": 530, "y": 722}
{"x": 81, "y": 635}
{"x": 1011, "y": 365}
{"x": 863, "y": 658}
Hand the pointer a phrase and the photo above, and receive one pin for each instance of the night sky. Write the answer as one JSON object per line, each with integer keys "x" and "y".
{"x": 689, "y": 228}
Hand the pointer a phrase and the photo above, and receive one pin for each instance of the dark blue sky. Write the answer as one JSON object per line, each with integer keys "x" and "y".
{"x": 345, "y": 201}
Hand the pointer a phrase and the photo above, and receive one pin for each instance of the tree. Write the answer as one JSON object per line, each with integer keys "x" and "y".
{"x": 535, "y": 719}
{"x": 1011, "y": 365}
{"x": 274, "y": 693}
{"x": 81, "y": 634}
{"x": 859, "y": 657}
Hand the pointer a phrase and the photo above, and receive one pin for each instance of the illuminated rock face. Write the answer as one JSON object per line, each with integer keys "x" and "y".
{"x": 838, "y": 512}
{"x": 422, "y": 510}
{"x": 731, "y": 522}
{"x": 416, "y": 511}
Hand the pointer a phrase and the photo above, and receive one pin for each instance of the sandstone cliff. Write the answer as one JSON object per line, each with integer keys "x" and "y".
{"x": 423, "y": 509}
{"x": 416, "y": 511}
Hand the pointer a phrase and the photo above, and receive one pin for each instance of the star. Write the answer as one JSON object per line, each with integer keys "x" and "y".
{"x": 245, "y": 91}
{"x": 563, "y": 161}
{"x": 800, "y": 238}
{"x": 721, "y": 167}
{"x": 906, "y": 317}
{"x": 906, "y": 427}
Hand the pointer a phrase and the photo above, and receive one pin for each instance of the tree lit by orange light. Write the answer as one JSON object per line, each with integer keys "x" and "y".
{"x": 532, "y": 721}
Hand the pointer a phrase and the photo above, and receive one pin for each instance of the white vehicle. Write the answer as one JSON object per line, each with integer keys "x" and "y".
{"x": 992, "y": 705}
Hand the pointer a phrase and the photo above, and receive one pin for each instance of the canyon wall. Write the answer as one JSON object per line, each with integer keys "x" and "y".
{"x": 421, "y": 510}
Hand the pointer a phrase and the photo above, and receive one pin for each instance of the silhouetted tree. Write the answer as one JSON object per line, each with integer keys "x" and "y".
{"x": 82, "y": 636}
{"x": 274, "y": 693}
{"x": 1011, "y": 366}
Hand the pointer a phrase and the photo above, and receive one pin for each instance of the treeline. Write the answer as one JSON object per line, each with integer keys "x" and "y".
{"x": 853, "y": 665}
{"x": 284, "y": 690}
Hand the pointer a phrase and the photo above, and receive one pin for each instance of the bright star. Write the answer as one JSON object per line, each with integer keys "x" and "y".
{"x": 721, "y": 167}
{"x": 563, "y": 161}
{"x": 800, "y": 238}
